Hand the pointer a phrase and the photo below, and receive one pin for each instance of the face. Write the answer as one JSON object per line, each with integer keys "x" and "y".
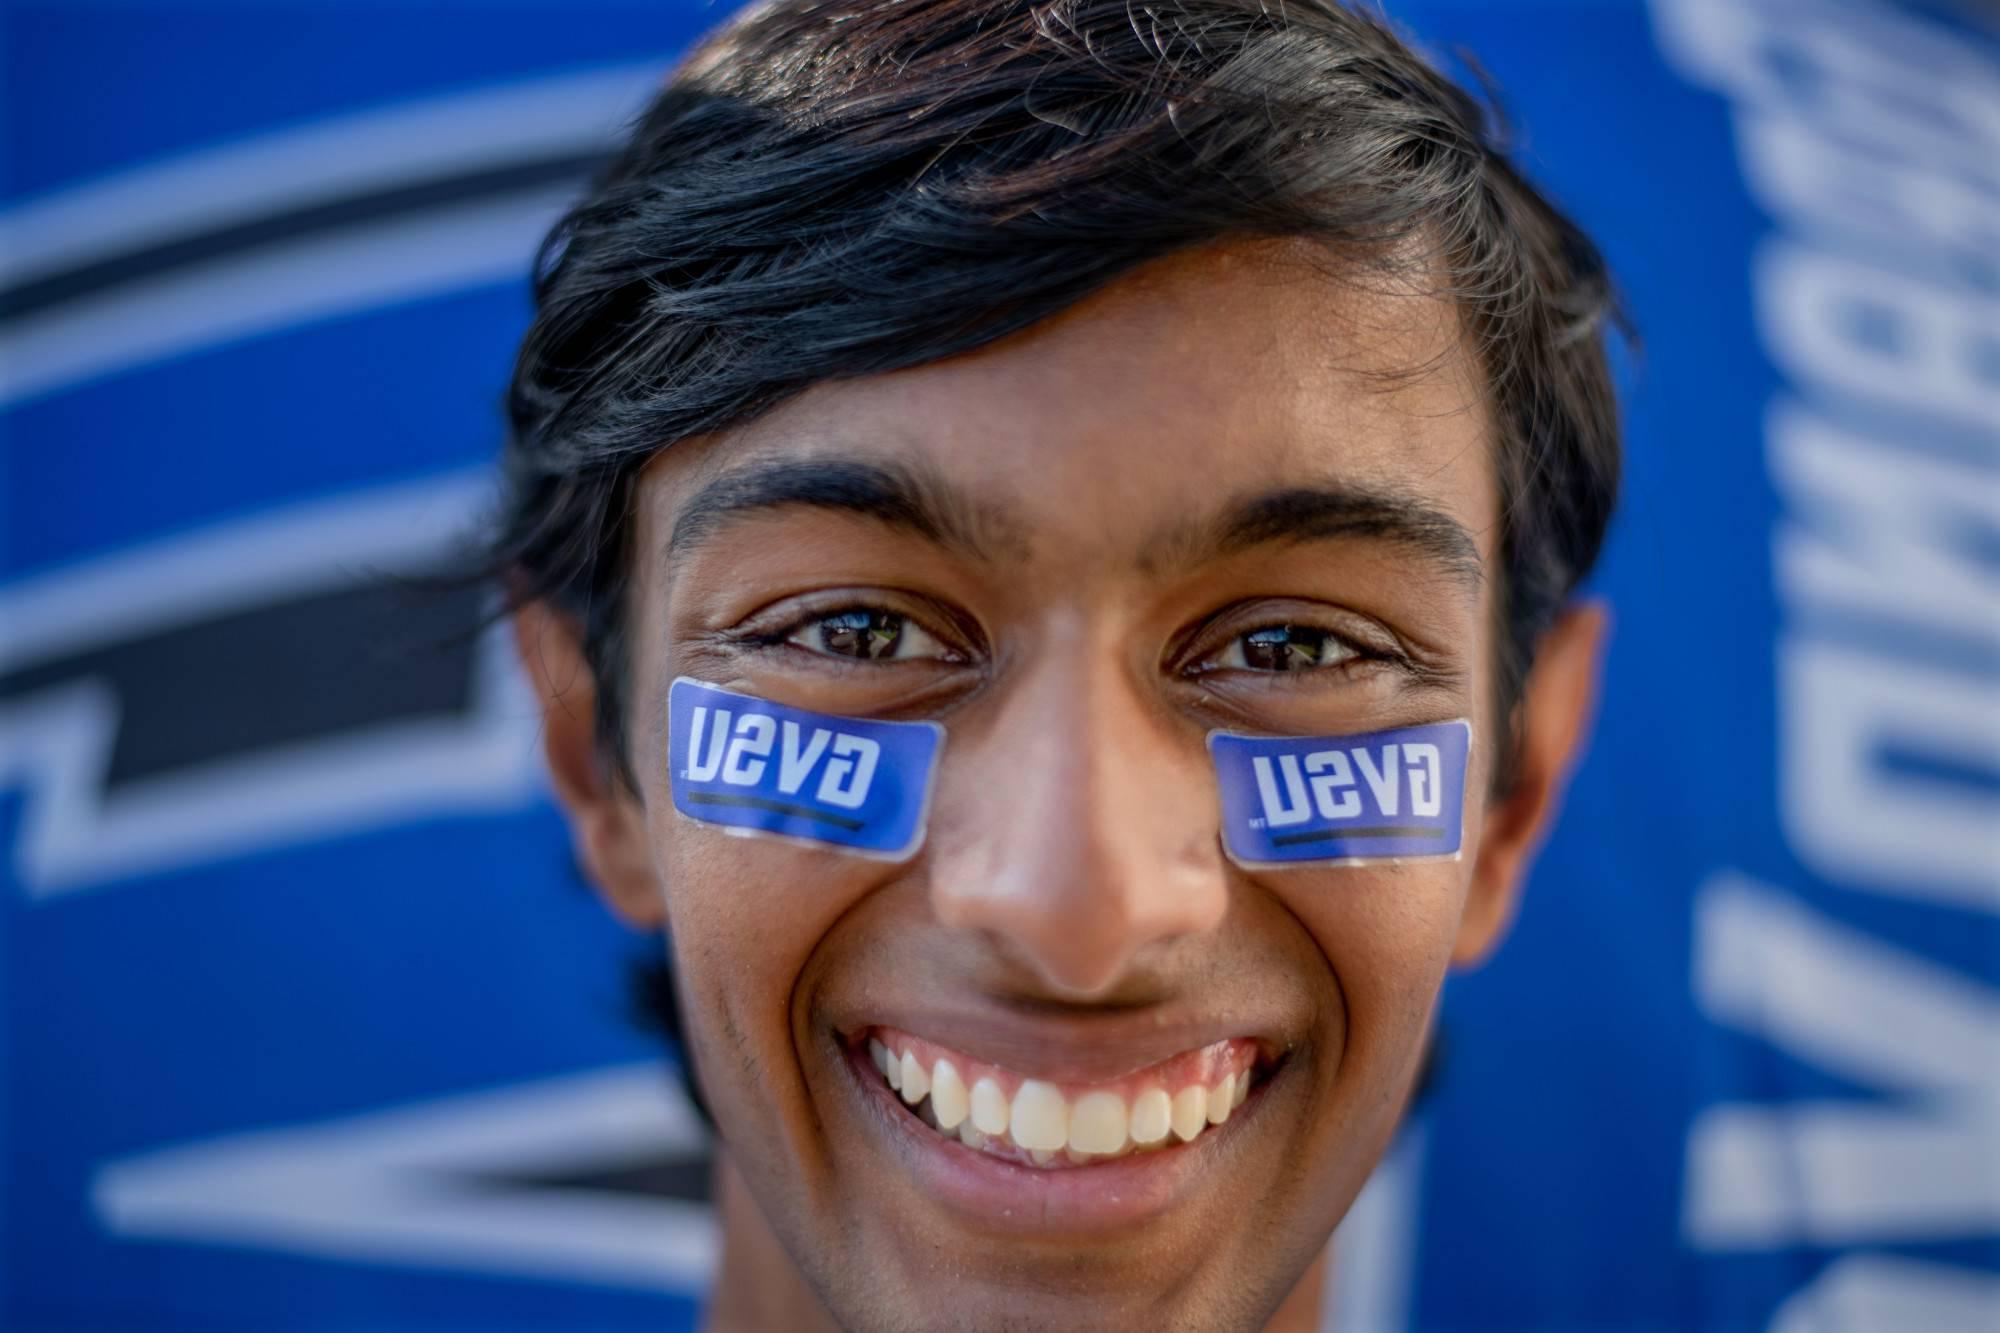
{"x": 1229, "y": 492}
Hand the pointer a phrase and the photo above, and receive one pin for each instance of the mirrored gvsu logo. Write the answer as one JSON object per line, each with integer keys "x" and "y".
{"x": 753, "y": 766}
{"x": 1381, "y": 794}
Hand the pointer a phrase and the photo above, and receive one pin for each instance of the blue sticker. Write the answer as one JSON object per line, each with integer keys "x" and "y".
{"x": 1288, "y": 799}
{"x": 752, "y": 766}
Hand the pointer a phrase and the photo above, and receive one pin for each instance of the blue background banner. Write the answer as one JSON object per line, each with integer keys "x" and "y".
{"x": 309, "y": 1020}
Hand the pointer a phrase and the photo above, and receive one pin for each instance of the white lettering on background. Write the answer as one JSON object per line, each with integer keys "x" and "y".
{"x": 1873, "y": 137}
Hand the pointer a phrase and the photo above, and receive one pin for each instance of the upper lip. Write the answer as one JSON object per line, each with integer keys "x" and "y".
{"x": 1083, "y": 1047}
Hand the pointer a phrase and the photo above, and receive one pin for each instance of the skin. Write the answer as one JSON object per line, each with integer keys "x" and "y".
{"x": 1072, "y": 891}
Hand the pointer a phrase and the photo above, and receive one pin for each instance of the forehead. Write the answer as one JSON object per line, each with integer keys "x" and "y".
{"x": 1105, "y": 431}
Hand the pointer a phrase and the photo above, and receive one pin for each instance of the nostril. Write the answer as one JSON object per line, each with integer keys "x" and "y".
{"x": 1106, "y": 845}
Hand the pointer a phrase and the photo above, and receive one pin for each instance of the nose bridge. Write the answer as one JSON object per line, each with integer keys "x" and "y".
{"x": 1090, "y": 830}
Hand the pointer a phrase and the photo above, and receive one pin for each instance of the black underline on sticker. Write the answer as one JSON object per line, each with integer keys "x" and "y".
{"x": 1321, "y": 835}
{"x": 759, "y": 803}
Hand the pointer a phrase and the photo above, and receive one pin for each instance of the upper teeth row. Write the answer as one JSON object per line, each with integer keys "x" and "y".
{"x": 1041, "y": 1120}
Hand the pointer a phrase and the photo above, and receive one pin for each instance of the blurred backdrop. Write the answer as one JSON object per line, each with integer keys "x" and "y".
{"x": 309, "y": 1022}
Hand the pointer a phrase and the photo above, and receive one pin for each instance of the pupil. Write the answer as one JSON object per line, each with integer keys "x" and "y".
{"x": 1283, "y": 648}
{"x": 858, "y": 633}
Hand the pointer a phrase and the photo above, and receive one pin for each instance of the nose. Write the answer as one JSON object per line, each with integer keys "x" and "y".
{"x": 1085, "y": 830}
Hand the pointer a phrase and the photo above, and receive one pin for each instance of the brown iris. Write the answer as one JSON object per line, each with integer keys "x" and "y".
{"x": 1284, "y": 648}
{"x": 861, "y": 633}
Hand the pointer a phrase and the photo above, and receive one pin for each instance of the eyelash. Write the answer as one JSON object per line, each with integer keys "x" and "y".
{"x": 782, "y": 637}
{"x": 1358, "y": 653}
{"x": 1238, "y": 644}
{"x": 779, "y": 637}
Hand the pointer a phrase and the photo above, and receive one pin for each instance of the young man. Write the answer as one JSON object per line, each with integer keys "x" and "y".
{"x": 1109, "y": 392}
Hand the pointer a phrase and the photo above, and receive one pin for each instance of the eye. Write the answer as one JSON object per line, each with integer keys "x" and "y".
{"x": 1285, "y": 648}
{"x": 863, "y": 633}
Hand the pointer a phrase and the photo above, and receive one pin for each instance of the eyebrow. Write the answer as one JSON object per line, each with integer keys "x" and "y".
{"x": 1319, "y": 513}
{"x": 926, "y": 506}
{"x": 893, "y": 494}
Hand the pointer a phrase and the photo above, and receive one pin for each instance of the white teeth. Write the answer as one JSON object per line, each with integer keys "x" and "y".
{"x": 1097, "y": 1123}
{"x": 1040, "y": 1117}
{"x": 1152, "y": 1116}
{"x": 1190, "y": 1111}
{"x": 949, "y": 1098}
{"x": 989, "y": 1108}
{"x": 916, "y": 1083}
{"x": 1039, "y": 1120}
{"x": 1223, "y": 1100}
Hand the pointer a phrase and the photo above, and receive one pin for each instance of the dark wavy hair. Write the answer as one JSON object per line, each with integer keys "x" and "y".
{"x": 835, "y": 188}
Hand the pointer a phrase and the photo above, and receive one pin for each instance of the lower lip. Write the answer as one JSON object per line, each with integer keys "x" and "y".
{"x": 997, "y": 1195}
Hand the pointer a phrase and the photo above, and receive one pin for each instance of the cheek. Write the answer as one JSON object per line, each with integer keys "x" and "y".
{"x": 746, "y": 915}
{"x": 1385, "y": 933}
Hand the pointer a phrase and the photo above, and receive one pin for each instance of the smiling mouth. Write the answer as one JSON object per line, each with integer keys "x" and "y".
{"x": 1042, "y": 1123}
